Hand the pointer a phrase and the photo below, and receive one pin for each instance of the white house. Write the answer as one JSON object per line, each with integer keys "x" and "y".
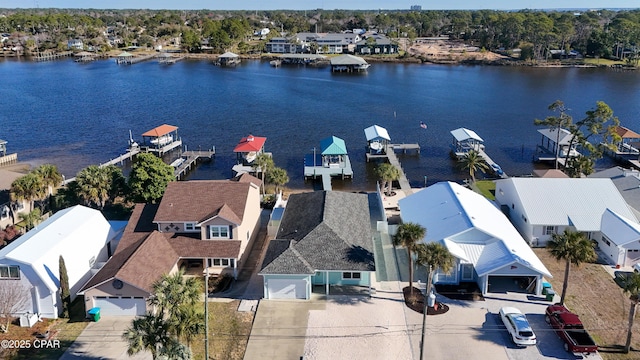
{"x": 619, "y": 239}
{"x": 81, "y": 235}
{"x": 488, "y": 249}
{"x": 540, "y": 207}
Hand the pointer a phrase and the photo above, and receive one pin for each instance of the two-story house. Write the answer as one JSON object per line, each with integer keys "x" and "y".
{"x": 203, "y": 226}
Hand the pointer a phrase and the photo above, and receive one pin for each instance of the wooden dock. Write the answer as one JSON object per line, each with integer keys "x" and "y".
{"x": 9, "y": 159}
{"x": 190, "y": 159}
{"x": 134, "y": 59}
{"x": 493, "y": 166}
{"x": 393, "y": 160}
{"x": 392, "y": 148}
{"x": 313, "y": 170}
{"x": 169, "y": 60}
{"x": 48, "y": 56}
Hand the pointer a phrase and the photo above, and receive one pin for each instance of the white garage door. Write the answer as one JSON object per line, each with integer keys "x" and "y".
{"x": 119, "y": 306}
{"x": 287, "y": 289}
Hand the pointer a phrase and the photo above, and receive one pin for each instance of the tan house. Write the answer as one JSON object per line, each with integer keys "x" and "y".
{"x": 197, "y": 224}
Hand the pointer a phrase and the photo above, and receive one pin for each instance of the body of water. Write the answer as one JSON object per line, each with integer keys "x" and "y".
{"x": 74, "y": 115}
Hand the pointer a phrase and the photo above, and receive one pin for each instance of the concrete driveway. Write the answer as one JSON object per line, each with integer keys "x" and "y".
{"x": 103, "y": 340}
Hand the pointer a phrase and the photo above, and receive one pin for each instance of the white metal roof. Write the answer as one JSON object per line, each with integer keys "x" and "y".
{"x": 463, "y": 134}
{"x": 375, "y": 131}
{"x": 452, "y": 213}
{"x": 576, "y": 202}
{"x": 348, "y": 60}
{"x": 619, "y": 229}
{"x": 551, "y": 134}
{"x": 76, "y": 233}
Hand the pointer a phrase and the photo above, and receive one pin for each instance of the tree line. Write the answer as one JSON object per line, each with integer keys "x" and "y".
{"x": 601, "y": 33}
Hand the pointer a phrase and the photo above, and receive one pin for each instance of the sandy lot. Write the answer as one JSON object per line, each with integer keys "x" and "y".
{"x": 450, "y": 51}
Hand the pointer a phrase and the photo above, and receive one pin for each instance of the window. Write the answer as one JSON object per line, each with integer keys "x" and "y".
{"x": 9, "y": 272}
{"x": 189, "y": 226}
{"x": 549, "y": 230}
{"x": 222, "y": 262}
{"x": 351, "y": 275}
{"x": 218, "y": 232}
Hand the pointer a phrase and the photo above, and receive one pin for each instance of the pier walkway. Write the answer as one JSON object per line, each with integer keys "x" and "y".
{"x": 311, "y": 170}
{"x": 190, "y": 158}
{"x": 393, "y": 160}
{"x": 493, "y": 166}
{"x": 47, "y": 56}
{"x": 130, "y": 60}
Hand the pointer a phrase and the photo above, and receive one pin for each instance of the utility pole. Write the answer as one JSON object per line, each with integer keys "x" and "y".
{"x": 206, "y": 312}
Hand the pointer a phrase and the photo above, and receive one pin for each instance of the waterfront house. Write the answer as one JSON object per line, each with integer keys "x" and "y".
{"x": 281, "y": 45}
{"x": 376, "y": 44}
{"x": 324, "y": 241}
{"x": 199, "y": 226}
{"x": 377, "y": 139}
{"x": 247, "y": 151}
{"x": 465, "y": 140}
{"x": 629, "y": 146}
{"x": 82, "y": 236}
{"x": 555, "y": 143}
{"x": 627, "y": 181}
{"x": 75, "y": 44}
{"x": 619, "y": 239}
{"x": 487, "y": 248}
{"x": 541, "y": 207}
{"x": 348, "y": 63}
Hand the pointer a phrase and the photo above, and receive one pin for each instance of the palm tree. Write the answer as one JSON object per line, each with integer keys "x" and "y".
{"x": 263, "y": 164}
{"x": 278, "y": 176}
{"x": 474, "y": 162}
{"x": 150, "y": 333}
{"x": 631, "y": 286}
{"x": 50, "y": 176}
{"x": 188, "y": 323}
{"x": 94, "y": 185}
{"x": 408, "y": 235}
{"x": 574, "y": 248}
{"x": 387, "y": 174}
{"x": 173, "y": 291}
{"x": 31, "y": 219}
{"x": 433, "y": 256}
{"x": 27, "y": 187}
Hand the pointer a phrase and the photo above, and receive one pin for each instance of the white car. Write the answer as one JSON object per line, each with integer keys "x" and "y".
{"x": 517, "y": 326}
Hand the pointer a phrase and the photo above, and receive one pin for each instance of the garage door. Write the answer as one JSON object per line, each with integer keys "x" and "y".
{"x": 119, "y": 306}
{"x": 287, "y": 289}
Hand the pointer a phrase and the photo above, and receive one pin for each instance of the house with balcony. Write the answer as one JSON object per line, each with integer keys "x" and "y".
{"x": 200, "y": 226}
{"x": 376, "y": 44}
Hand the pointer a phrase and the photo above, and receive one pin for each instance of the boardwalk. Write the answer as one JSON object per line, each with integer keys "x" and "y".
{"x": 47, "y": 56}
{"x": 393, "y": 160}
{"x": 190, "y": 158}
{"x": 311, "y": 170}
{"x": 130, "y": 60}
{"x": 8, "y": 159}
{"x": 492, "y": 164}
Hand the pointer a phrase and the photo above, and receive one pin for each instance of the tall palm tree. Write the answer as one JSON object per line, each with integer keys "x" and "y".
{"x": 94, "y": 185}
{"x": 188, "y": 323}
{"x": 387, "y": 174}
{"x": 263, "y": 164}
{"x": 408, "y": 235}
{"x": 474, "y": 162}
{"x": 27, "y": 187}
{"x": 574, "y": 248}
{"x": 278, "y": 176}
{"x": 31, "y": 219}
{"x": 50, "y": 176}
{"x": 148, "y": 333}
{"x": 631, "y": 287}
{"x": 173, "y": 291}
{"x": 433, "y": 256}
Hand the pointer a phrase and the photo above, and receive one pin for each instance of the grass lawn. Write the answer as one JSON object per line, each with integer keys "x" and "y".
{"x": 64, "y": 330}
{"x": 606, "y": 62}
{"x": 600, "y": 303}
{"x": 487, "y": 188}
{"x": 228, "y": 332}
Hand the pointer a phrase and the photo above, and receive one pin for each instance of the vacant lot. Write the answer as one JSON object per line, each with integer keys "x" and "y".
{"x": 601, "y": 304}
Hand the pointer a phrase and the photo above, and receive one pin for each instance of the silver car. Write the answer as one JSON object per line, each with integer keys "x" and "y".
{"x": 517, "y": 326}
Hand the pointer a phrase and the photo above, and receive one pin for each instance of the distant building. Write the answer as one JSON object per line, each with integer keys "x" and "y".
{"x": 75, "y": 44}
{"x": 376, "y": 44}
{"x": 416, "y": 8}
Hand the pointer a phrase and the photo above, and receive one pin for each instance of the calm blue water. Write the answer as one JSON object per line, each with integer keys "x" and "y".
{"x": 74, "y": 115}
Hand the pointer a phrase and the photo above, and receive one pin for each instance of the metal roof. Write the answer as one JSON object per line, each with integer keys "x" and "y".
{"x": 250, "y": 143}
{"x": 463, "y": 134}
{"x": 333, "y": 146}
{"x": 160, "y": 130}
{"x": 619, "y": 229}
{"x": 376, "y": 132}
{"x": 569, "y": 202}
{"x": 552, "y": 134}
{"x": 452, "y": 213}
{"x": 348, "y": 60}
{"x": 228, "y": 54}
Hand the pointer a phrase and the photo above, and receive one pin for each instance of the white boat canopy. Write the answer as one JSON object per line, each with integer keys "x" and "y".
{"x": 376, "y": 132}
{"x": 463, "y": 134}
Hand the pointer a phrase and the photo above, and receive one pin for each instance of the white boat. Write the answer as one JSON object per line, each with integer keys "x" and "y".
{"x": 162, "y": 140}
{"x": 275, "y": 63}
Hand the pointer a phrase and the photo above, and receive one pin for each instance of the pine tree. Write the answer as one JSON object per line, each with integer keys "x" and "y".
{"x": 64, "y": 289}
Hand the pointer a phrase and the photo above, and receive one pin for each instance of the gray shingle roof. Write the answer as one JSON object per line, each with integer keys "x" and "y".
{"x": 322, "y": 230}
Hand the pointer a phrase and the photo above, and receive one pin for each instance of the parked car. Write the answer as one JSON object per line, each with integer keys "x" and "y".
{"x": 636, "y": 267}
{"x": 518, "y": 326}
{"x": 570, "y": 329}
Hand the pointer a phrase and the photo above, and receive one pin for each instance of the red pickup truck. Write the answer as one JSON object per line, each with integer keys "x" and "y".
{"x": 569, "y": 327}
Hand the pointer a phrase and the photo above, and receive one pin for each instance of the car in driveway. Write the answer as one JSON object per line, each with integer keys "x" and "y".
{"x": 518, "y": 326}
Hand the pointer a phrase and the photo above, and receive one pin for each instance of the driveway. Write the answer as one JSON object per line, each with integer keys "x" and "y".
{"x": 103, "y": 340}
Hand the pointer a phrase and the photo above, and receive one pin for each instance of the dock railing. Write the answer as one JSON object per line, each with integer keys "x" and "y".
{"x": 8, "y": 159}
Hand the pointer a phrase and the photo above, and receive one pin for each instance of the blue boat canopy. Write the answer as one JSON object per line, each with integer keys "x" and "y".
{"x": 333, "y": 146}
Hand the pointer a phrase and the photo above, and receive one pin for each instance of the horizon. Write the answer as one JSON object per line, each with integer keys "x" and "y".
{"x": 329, "y": 5}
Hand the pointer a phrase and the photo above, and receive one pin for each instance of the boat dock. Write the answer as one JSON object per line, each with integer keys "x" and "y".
{"x": 393, "y": 160}
{"x": 493, "y": 166}
{"x": 47, "y": 56}
{"x": 130, "y": 60}
{"x": 314, "y": 169}
{"x": 189, "y": 158}
{"x": 169, "y": 60}
{"x": 391, "y": 148}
